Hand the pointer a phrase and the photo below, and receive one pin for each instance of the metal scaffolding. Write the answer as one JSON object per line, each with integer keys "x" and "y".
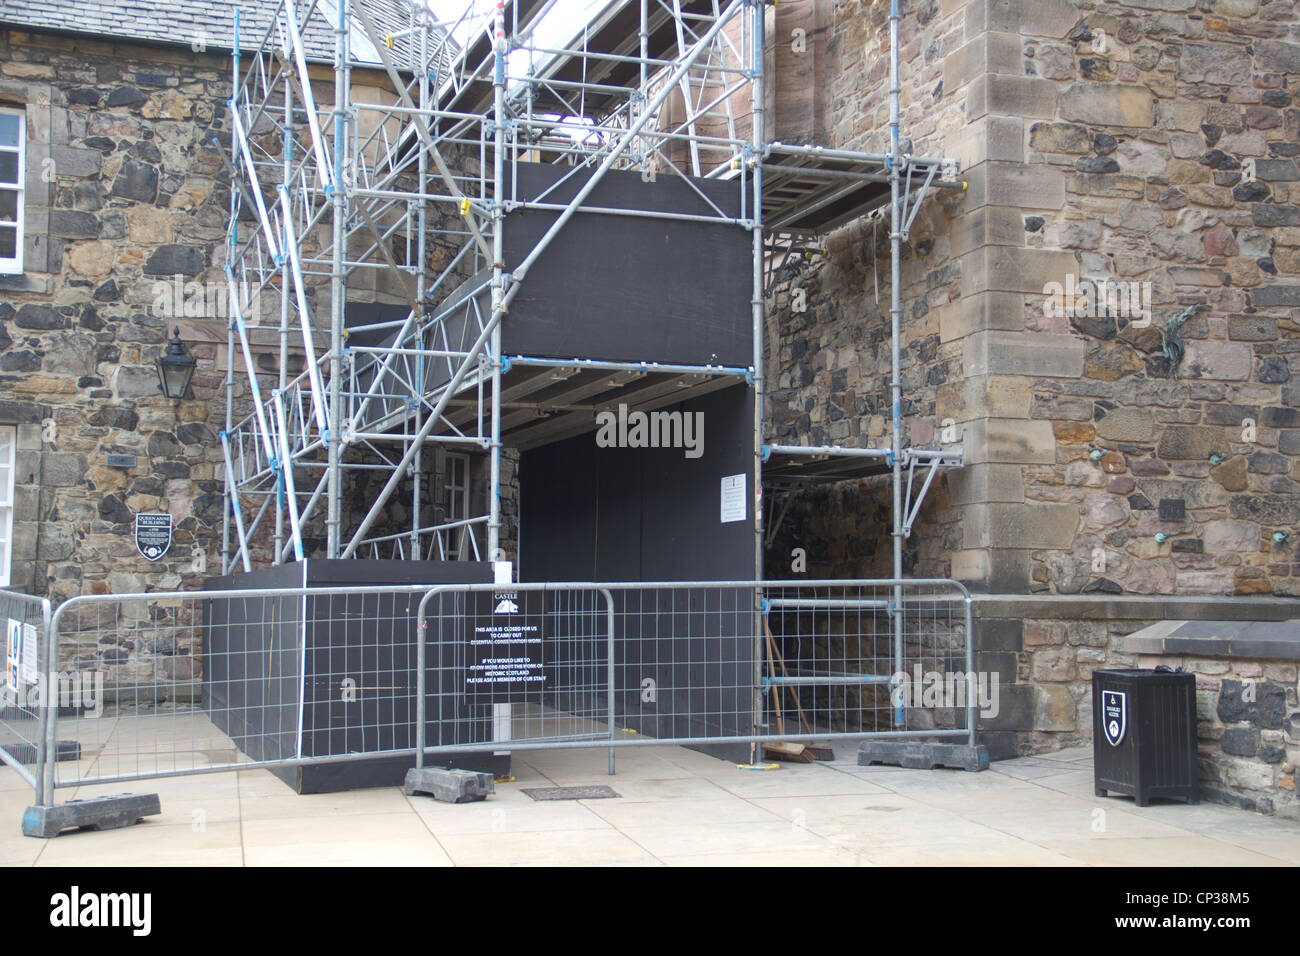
{"x": 401, "y": 199}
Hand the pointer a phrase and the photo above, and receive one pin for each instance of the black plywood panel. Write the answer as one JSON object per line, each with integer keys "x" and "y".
{"x": 251, "y": 665}
{"x": 372, "y": 313}
{"x": 614, "y": 288}
{"x": 617, "y": 550}
{"x": 558, "y": 525}
{"x": 625, "y": 288}
{"x": 683, "y": 537}
{"x": 697, "y": 647}
{"x": 649, "y": 514}
{"x": 622, "y": 514}
{"x": 254, "y": 673}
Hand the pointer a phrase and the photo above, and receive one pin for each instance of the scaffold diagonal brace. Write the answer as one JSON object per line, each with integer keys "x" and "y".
{"x": 234, "y": 505}
{"x": 241, "y": 138}
{"x": 285, "y": 469}
{"x": 309, "y": 102}
{"x": 304, "y": 314}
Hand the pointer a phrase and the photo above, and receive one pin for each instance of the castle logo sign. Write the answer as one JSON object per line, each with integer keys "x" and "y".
{"x": 153, "y": 534}
{"x": 1114, "y": 715}
{"x": 505, "y": 661}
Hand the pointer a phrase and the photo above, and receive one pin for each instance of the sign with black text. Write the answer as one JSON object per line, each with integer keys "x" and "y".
{"x": 504, "y": 662}
{"x": 153, "y": 534}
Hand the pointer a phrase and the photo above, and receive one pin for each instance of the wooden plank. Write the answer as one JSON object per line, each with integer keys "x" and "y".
{"x": 790, "y": 752}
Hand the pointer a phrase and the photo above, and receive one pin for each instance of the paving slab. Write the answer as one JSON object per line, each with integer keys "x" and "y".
{"x": 676, "y": 807}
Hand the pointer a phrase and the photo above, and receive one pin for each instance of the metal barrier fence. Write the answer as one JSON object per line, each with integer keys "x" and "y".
{"x": 240, "y": 678}
{"x": 173, "y": 683}
{"x": 582, "y": 665}
{"x": 26, "y": 622}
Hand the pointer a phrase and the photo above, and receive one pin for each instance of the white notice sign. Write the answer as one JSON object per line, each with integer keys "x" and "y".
{"x": 13, "y": 653}
{"x": 31, "y": 667}
{"x": 733, "y": 498}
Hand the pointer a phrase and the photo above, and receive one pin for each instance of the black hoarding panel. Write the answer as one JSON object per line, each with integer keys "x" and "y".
{"x": 651, "y": 514}
{"x": 251, "y": 665}
{"x": 351, "y": 658}
{"x": 628, "y": 288}
{"x": 558, "y": 512}
{"x": 642, "y": 514}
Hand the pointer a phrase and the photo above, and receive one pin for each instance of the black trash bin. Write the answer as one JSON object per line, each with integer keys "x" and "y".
{"x": 1144, "y": 734}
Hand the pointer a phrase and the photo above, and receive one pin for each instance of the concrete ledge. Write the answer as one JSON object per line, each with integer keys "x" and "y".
{"x": 1134, "y": 607}
{"x": 1273, "y": 640}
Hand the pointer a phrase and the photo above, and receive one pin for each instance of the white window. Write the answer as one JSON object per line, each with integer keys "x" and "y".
{"x": 458, "y": 544}
{"x": 8, "y": 442}
{"x": 13, "y": 130}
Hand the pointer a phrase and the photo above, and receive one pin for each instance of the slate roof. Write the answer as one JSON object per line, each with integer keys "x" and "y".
{"x": 184, "y": 22}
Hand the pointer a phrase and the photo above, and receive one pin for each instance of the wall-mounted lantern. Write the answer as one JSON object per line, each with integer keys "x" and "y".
{"x": 175, "y": 368}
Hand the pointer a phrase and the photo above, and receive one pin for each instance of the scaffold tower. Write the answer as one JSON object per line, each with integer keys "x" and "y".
{"x": 343, "y": 200}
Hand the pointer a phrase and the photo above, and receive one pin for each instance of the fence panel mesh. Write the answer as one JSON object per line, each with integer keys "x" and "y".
{"x": 26, "y": 682}
{"x": 176, "y": 683}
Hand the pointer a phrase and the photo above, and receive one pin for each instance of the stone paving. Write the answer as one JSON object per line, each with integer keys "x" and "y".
{"x": 677, "y": 808}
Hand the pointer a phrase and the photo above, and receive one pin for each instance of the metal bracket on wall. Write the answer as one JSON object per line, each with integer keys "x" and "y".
{"x": 913, "y": 194}
{"x": 929, "y": 461}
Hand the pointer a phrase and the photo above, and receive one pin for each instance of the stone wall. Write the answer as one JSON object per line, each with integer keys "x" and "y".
{"x": 1153, "y": 139}
{"x": 828, "y": 350}
{"x": 1106, "y": 452}
{"x": 123, "y": 192}
{"x": 1248, "y": 729}
{"x": 127, "y": 200}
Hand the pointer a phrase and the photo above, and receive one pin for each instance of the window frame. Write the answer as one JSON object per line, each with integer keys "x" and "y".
{"x": 14, "y": 265}
{"x": 458, "y": 498}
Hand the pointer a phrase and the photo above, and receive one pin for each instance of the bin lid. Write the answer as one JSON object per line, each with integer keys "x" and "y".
{"x": 1139, "y": 673}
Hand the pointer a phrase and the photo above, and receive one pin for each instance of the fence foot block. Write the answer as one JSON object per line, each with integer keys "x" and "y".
{"x": 923, "y": 756}
{"x": 449, "y": 786}
{"x": 95, "y": 813}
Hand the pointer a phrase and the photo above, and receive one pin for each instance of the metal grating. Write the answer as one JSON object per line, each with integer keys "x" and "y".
{"x": 599, "y": 792}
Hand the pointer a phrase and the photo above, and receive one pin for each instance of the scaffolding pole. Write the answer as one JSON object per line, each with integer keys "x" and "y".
{"x": 895, "y": 334}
